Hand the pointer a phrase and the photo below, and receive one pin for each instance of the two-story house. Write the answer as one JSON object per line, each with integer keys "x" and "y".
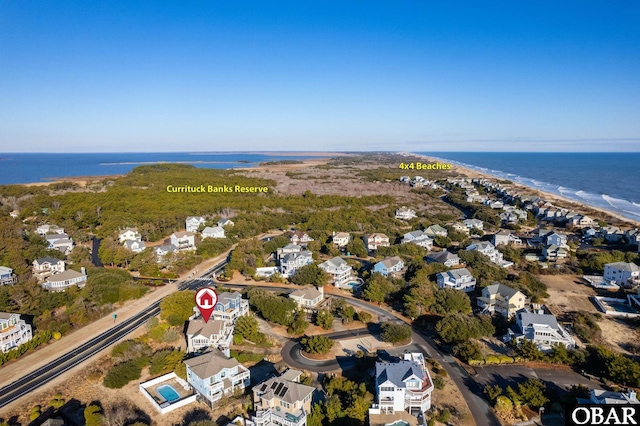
{"x": 505, "y": 237}
{"x": 211, "y": 334}
{"x": 375, "y": 240}
{"x": 60, "y": 242}
{"x": 405, "y": 213}
{"x": 556, "y": 238}
{"x": 64, "y": 280}
{"x": 7, "y": 276}
{"x": 49, "y": 229}
{"x": 403, "y": 385}
{"x": 291, "y": 262}
{"x": 44, "y": 267}
{"x": 541, "y": 329}
{"x": 282, "y": 401}
{"x": 445, "y": 257}
{"x": 193, "y": 223}
{"x": 436, "y": 231}
{"x": 308, "y": 297}
{"x": 184, "y": 241}
{"x": 213, "y": 232}
{"x": 300, "y": 238}
{"x": 13, "y": 331}
{"x": 472, "y": 224}
{"x": 418, "y": 238}
{"x": 622, "y": 272}
{"x": 128, "y": 234}
{"x": 136, "y": 246}
{"x": 489, "y": 250}
{"x": 389, "y": 266}
{"x": 289, "y": 248}
{"x": 341, "y": 239}
{"x": 501, "y": 299}
{"x": 458, "y": 279}
{"x": 213, "y": 375}
{"x": 230, "y": 307}
{"x": 339, "y": 271}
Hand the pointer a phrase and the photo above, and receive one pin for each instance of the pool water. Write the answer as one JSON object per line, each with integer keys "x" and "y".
{"x": 398, "y": 423}
{"x": 168, "y": 393}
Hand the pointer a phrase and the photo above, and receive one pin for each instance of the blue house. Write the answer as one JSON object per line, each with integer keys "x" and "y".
{"x": 389, "y": 266}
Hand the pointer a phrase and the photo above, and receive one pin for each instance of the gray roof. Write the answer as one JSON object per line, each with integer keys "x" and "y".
{"x": 442, "y": 256}
{"x": 42, "y": 260}
{"x": 210, "y": 363}
{"x": 624, "y": 266}
{"x": 481, "y": 245}
{"x": 284, "y": 390}
{"x": 390, "y": 262}
{"x": 225, "y": 296}
{"x": 456, "y": 274}
{"x": 397, "y": 372}
{"x": 529, "y": 318}
{"x": 437, "y": 228}
{"x": 6, "y": 315}
{"x": 336, "y": 262}
{"x": 503, "y": 290}
{"x": 66, "y": 275}
{"x": 292, "y": 256}
{"x": 49, "y": 237}
{"x": 129, "y": 243}
{"x": 417, "y": 234}
{"x": 308, "y": 293}
{"x": 198, "y": 326}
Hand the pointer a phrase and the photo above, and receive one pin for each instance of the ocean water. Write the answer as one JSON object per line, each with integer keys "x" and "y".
{"x": 606, "y": 180}
{"x": 27, "y": 168}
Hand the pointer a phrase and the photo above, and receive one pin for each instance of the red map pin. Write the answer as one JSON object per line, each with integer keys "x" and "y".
{"x": 206, "y": 299}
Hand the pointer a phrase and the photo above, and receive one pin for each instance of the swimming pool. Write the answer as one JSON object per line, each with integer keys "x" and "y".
{"x": 398, "y": 423}
{"x": 168, "y": 393}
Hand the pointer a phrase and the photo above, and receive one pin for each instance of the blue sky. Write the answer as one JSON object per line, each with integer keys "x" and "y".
{"x": 327, "y": 75}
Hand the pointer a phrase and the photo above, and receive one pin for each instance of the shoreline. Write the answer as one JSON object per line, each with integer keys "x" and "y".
{"x": 559, "y": 200}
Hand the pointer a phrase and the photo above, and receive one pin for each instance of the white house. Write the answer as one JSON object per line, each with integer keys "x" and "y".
{"x": 541, "y": 329}
{"x": 49, "y": 229}
{"x": 128, "y": 234}
{"x": 341, "y": 239}
{"x": 502, "y": 299}
{"x": 60, "y": 242}
{"x": 282, "y": 401}
{"x": 405, "y": 213}
{"x": 289, "y": 248}
{"x": 474, "y": 224}
{"x": 183, "y": 241}
{"x": 46, "y": 266}
{"x": 375, "y": 240}
{"x": 215, "y": 333}
{"x": 504, "y": 237}
{"x": 489, "y": 250}
{"x": 599, "y": 396}
{"x": 291, "y": 262}
{"x": 621, "y": 272}
{"x": 225, "y": 222}
{"x": 162, "y": 251}
{"x": 445, "y": 257}
{"x": 213, "y": 375}
{"x": 136, "y": 246}
{"x": 458, "y": 279}
{"x": 308, "y": 297}
{"x": 404, "y": 385}
{"x": 213, "y": 232}
{"x": 14, "y": 331}
{"x": 339, "y": 270}
{"x": 192, "y": 223}
{"x": 64, "y": 280}
{"x": 7, "y": 276}
{"x": 389, "y": 266}
{"x": 299, "y": 237}
{"x": 418, "y": 238}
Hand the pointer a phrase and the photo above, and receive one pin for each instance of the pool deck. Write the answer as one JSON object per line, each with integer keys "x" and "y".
{"x": 385, "y": 419}
{"x": 153, "y": 390}
{"x": 150, "y": 390}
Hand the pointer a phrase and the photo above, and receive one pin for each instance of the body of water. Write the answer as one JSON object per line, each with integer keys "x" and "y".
{"x": 27, "y": 168}
{"x": 606, "y": 180}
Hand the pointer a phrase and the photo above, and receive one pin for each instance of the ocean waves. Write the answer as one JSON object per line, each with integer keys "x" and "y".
{"x": 627, "y": 208}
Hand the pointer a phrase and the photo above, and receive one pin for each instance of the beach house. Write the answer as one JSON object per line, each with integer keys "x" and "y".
{"x": 14, "y": 331}
{"x": 339, "y": 271}
{"x": 230, "y": 307}
{"x": 541, "y": 329}
{"x": 308, "y": 297}
{"x": 128, "y": 234}
{"x": 136, "y": 246}
{"x": 215, "y": 333}
{"x": 184, "y": 241}
{"x": 375, "y": 240}
{"x": 445, "y": 257}
{"x": 291, "y": 262}
{"x": 300, "y": 238}
{"x": 341, "y": 239}
{"x": 418, "y": 238}
{"x": 49, "y": 229}
{"x": 489, "y": 250}
{"x": 622, "y": 273}
{"x": 64, "y": 280}
{"x": 435, "y": 231}
{"x": 213, "y": 232}
{"x": 192, "y": 223}
{"x": 473, "y": 224}
{"x": 213, "y": 375}
{"x": 44, "y": 267}
{"x": 282, "y": 401}
{"x": 405, "y": 213}
{"x": 7, "y": 276}
{"x": 501, "y": 299}
{"x": 389, "y": 266}
{"x": 457, "y": 279}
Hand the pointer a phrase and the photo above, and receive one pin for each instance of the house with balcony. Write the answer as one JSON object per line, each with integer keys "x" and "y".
{"x": 193, "y": 223}
{"x": 457, "y": 279}
{"x": 64, "y": 280}
{"x": 213, "y": 375}
{"x": 128, "y": 234}
{"x": 14, "y": 331}
{"x": 282, "y": 401}
{"x": 418, "y": 238}
{"x": 389, "y": 266}
{"x": 489, "y": 250}
{"x": 501, "y": 299}
{"x": 213, "y": 232}
{"x": 405, "y": 213}
{"x": 300, "y": 238}
{"x": 339, "y": 271}
{"x": 622, "y": 272}
{"x": 230, "y": 307}
{"x": 291, "y": 262}
{"x": 541, "y": 329}
{"x": 375, "y": 240}
{"x": 403, "y": 385}
{"x": 7, "y": 276}
{"x": 341, "y": 239}
{"x": 214, "y": 333}
{"x": 505, "y": 237}
{"x": 553, "y": 252}
{"x": 472, "y": 224}
{"x": 445, "y": 257}
{"x": 44, "y": 267}
{"x": 184, "y": 241}
{"x": 308, "y": 298}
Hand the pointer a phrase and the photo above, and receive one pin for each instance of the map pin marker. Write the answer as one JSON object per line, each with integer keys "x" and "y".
{"x": 206, "y": 299}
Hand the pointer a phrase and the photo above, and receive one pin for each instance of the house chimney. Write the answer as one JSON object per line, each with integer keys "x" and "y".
{"x": 83, "y": 271}
{"x": 321, "y": 290}
{"x": 632, "y": 395}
